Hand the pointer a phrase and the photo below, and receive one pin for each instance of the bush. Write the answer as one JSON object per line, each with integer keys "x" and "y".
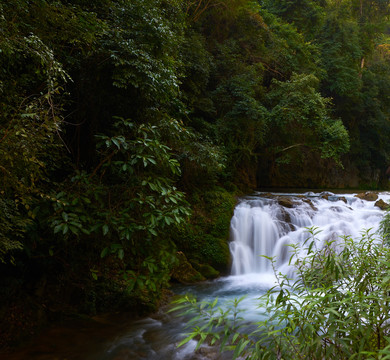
{"x": 337, "y": 306}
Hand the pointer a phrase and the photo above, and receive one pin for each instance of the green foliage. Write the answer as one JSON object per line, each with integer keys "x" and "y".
{"x": 142, "y": 39}
{"x": 300, "y": 117}
{"x": 212, "y": 91}
{"x": 337, "y": 306}
{"x": 127, "y": 201}
{"x": 341, "y": 53}
{"x": 385, "y": 226}
{"x": 13, "y": 226}
{"x": 306, "y": 15}
{"x": 288, "y": 51}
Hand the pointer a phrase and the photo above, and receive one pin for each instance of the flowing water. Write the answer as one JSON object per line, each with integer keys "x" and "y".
{"x": 263, "y": 224}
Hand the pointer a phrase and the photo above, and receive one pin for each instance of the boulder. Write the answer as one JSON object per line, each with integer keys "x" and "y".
{"x": 368, "y": 196}
{"x": 381, "y": 204}
{"x": 184, "y": 272}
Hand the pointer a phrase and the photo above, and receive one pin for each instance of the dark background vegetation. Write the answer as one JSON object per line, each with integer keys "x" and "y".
{"x": 128, "y": 128}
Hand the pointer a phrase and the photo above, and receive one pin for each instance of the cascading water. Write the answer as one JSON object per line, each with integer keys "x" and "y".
{"x": 262, "y": 225}
{"x": 267, "y": 224}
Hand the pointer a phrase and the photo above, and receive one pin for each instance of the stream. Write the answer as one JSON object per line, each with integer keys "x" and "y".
{"x": 262, "y": 224}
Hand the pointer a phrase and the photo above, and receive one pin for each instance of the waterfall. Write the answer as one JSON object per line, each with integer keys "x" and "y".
{"x": 266, "y": 224}
{"x": 263, "y": 224}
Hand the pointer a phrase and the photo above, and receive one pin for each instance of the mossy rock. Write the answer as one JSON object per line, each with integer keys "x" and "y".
{"x": 206, "y": 270}
{"x": 205, "y": 239}
{"x": 285, "y": 202}
{"x": 214, "y": 251}
{"x": 184, "y": 272}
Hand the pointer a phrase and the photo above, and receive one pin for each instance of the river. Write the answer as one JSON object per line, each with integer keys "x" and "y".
{"x": 263, "y": 224}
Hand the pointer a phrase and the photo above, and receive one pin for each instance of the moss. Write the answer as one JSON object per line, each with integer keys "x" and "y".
{"x": 184, "y": 272}
{"x": 206, "y": 270}
{"x": 205, "y": 239}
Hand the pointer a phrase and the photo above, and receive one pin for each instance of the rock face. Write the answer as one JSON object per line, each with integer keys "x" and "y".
{"x": 368, "y": 196}
{"x": 184, "y": 273}
{"x": 382, "y": 205}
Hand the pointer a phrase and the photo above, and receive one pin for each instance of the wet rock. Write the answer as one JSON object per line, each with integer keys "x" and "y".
{"x": 342, "y": 198}
{"x": 325, "y": 195}
{"x": 212, "y": 353}
{"x": 285, "y": 202}
{"x": 284, "y": 228}
{"x": 184, "y": 273}
{"x": 284, "y": 216}
{"x": 382, "y": 204}
{"x": 285, "y": 221}
{"x": 368, "y": 196}
{"x": 308, "y": 201}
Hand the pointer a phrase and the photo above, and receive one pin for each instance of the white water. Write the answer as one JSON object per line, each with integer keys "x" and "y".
{"x": 260, "y": 226}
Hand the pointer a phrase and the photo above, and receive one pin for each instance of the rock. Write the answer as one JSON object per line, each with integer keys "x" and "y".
{"x": 208, "y": 352}
{"x": 284, "y": 216}
{"x": 381, "y": 204}
{"x": 342, "y": 198}
{"x": 368, "y": 196}
{"x": 206, "y": 270}
{"x": 285, "y": 228}
{"x": 308, "y": 201}
{"x": 285, "y": 202}
{"x": 184, "y": 273}
{"x": 326, "y": 194}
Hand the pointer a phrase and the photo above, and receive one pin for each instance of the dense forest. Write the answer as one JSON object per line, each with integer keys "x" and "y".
{"x": 128, "y": 128}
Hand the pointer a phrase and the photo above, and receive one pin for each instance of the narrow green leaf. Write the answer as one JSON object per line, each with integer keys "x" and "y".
{"x": 104, "y": 252}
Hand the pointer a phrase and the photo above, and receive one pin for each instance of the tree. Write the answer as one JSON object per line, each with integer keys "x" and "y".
{"x": 299, "y": 117}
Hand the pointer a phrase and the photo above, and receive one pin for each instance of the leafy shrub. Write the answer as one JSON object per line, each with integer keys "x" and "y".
{"x": 337, "y": 306}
